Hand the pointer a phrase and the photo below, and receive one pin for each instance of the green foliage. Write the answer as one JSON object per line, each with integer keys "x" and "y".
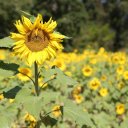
{"x": 8, "y": 69}
{"x": 74, "y": 112}
{"x": 26, "y": 101}
{"x": 8, "y": 115}
{"x": 6, "y": 42}
{"x": 59, "y": 78}
{"x": 31, "y": 103}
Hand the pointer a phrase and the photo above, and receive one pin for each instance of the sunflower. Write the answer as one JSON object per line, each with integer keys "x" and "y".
{"x": 56, "y": 111}
{"x": 125, "y": 75}
{"x": 87, "y": 70}
{"x": 94, "y": 84}
{"x": 23, "y": 72}
{"x": 103, "y": 92}
{"x": 36, "y": 42}
{"x": 78, "y": 98}
{"x": 120, "y": 109}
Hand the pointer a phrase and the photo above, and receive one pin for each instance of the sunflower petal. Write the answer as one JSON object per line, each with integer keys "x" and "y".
{"x": 37, "y": 21}
{"x": 17, "y": 36}
{"x": 26, "y": 22}
{"x": 56, "y": 35}
{"x": 20, "y": 27}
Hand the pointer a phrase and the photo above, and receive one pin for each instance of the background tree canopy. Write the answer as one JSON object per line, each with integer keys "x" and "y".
{"x": 92, "y": 23}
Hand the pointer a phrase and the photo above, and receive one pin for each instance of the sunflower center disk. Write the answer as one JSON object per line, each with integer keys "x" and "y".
{"x": 37, "y": 40}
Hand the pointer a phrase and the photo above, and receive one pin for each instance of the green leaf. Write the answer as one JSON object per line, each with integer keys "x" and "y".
{"x": 32, "y": 104}
{"x": 124, "y": 124}
{"x": 8, "y": 115}
{"x": 8, "y": 69}
{"x": 4, "y": 122}
{"x": 48, "y": 121}
{"x": 102, "y": 120}
{"x": 32, "y": 19}
{"x": 25, "y": 13}
{"x": 75, "y": 113}
{"x": 49, "y": 96}
{"x": 6, "y": 73}
{"x": 60, "y": 78}
{"x": 12, "y": 92}
{"x": 6, "y": 42}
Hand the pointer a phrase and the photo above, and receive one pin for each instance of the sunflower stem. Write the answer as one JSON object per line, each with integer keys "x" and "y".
{"x": 36, "y": 79}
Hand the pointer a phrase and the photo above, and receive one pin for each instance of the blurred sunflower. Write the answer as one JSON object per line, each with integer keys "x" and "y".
{"x": 30, "y": 120}
{"x": 120, "y": 70}
{"x": 125, "y": 75}
{"x": 60, "y": 64}
{"x": 87, "y": 70}
{"x": 23, "y": 72}
{"x": 120, "y": 109}
{"x": 11, "y": 100}
{"x": 103, "y": 92}
{"x": 36, "y": 42}
{"x": 56, "y": 111}
{"x": 120, "y": 85}
{"x": 103, "y": 77}
{"x": 78, "y": 98}
{"x": 77, "y": 90}
{"x": 1, "y": 96}
{"x": 94, "y": 84}
{"x": 2, "y": 55}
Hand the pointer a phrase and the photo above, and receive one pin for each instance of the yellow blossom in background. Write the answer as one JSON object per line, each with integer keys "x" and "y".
{"x": 103, "y": 77}
{"x": 68, "y": 73}
{"x": 120, "y": 70}
{"x": 119, "y": 58}
{"x": 93, "y": 61}
{"x": 101, "y": 51}
{"x": 77, "y": 90}
{"x": 31, "y": 119}
{"x": 103, "y": 92}
{"x": 1, "y": 96}
{"x": 120, "y": 85}
{"x": 87, "y": 70}
{"x": 2, "y": 55}
{"x": 36, "y": 42}
{"x": 94, "y": 84}
{"x": 120, "y": 109}
{"x": 60, "y": 64}
{"x": 125, "y": 75}
{"x": 23, "y": 72}
{"x": 78, "y": 98}
{"x": 56, "y": 111}
{"x": 115, "y": 58}
{"x": 122, "y": 59}
{"x": 11, "y": 100}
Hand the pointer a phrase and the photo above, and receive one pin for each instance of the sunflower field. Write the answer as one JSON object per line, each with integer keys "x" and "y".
{"x": 44, "y": 87}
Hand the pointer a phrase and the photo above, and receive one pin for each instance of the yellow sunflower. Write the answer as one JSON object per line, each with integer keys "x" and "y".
{"x": 87, "y": 70}
{"x": 120, "y": 109}
{"x": 125, "y": 75}
{"x": 36, "y": 42}
{"x": 1, "y": 96}
{"x": 23, "y": 72}
{"x": 94, "y": 84}
{"x": 103, "y": 92}
{"x": 56, "y": 111}
{"x": 78, "y": 98}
